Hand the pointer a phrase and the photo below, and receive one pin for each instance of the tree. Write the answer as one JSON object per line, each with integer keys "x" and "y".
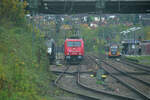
{"x": 12, "y": 10}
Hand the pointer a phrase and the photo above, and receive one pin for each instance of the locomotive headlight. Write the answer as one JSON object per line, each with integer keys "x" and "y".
{"x": 49, "y": 50}
{"x": 67, "y": 57}
{"x": 118, "y": 53}
{"x": 79, "y": 57}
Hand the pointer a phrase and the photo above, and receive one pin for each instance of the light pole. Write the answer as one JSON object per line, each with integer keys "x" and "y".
{"x": 131, "y": 30}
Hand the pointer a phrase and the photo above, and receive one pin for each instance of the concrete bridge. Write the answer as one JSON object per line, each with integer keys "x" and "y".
{"x": 93, "y": 6}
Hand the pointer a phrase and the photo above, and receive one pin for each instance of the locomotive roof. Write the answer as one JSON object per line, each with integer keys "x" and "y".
{"x": 74, "y": 39}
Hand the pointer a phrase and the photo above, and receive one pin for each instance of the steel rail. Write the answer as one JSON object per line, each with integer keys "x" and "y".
{"x": 74, "y": 72}
{"x": 135, "y": 63}
{"x": 60, "y": 76}
{"x": 90, "y": 72}
{"x": 120, "y": 97}
{"x": 127, "y": 84}
{"x": 145, "y": 66}
{"x": 145, "y": 97}
{"x": 125, "y": 73}
{"x": 80, "y": 84}
{"x": 141, "y": 67}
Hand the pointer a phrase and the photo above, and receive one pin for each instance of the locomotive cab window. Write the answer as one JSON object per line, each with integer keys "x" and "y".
{"x": 73, "y": 44}
{"x": 113, "y": 49}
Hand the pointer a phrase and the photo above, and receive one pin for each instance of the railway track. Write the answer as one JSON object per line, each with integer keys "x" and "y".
{"x": 139, "y": 87}
{"x": 63, "y": 86}
{"x": 74, "y": 85}
{"x": 120, "y": 67}
{"x": 135, "y": 65}
{"x": 109, "y": 94}
{"x": 91, "y": 72}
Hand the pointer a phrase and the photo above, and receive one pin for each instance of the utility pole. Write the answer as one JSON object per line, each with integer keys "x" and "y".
{"x": 33, "y": 6}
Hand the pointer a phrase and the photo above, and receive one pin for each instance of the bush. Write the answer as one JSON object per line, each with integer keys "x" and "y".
{"x": 12, "y": 10}
{"x": 23, "y": 65}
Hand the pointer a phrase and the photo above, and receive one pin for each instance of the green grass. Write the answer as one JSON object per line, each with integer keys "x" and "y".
{"x": 22, "y": 76}
{"x": 141, "y": 59}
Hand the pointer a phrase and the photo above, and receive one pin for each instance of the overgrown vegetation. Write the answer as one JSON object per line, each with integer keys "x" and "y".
{"x": 140, "y": 59}
{"x": 23, "y": 65}
{"x": 96, "y": 38}
{"x": 12, "y": 10}
{"x": 23, "y": 60}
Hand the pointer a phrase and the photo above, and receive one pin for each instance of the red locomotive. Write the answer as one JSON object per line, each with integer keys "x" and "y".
{"x": 74, "y": 49}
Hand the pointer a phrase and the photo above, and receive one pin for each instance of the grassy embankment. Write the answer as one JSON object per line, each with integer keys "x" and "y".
{"x": 24, "y": 71}
{"x": 145, "y": 60}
